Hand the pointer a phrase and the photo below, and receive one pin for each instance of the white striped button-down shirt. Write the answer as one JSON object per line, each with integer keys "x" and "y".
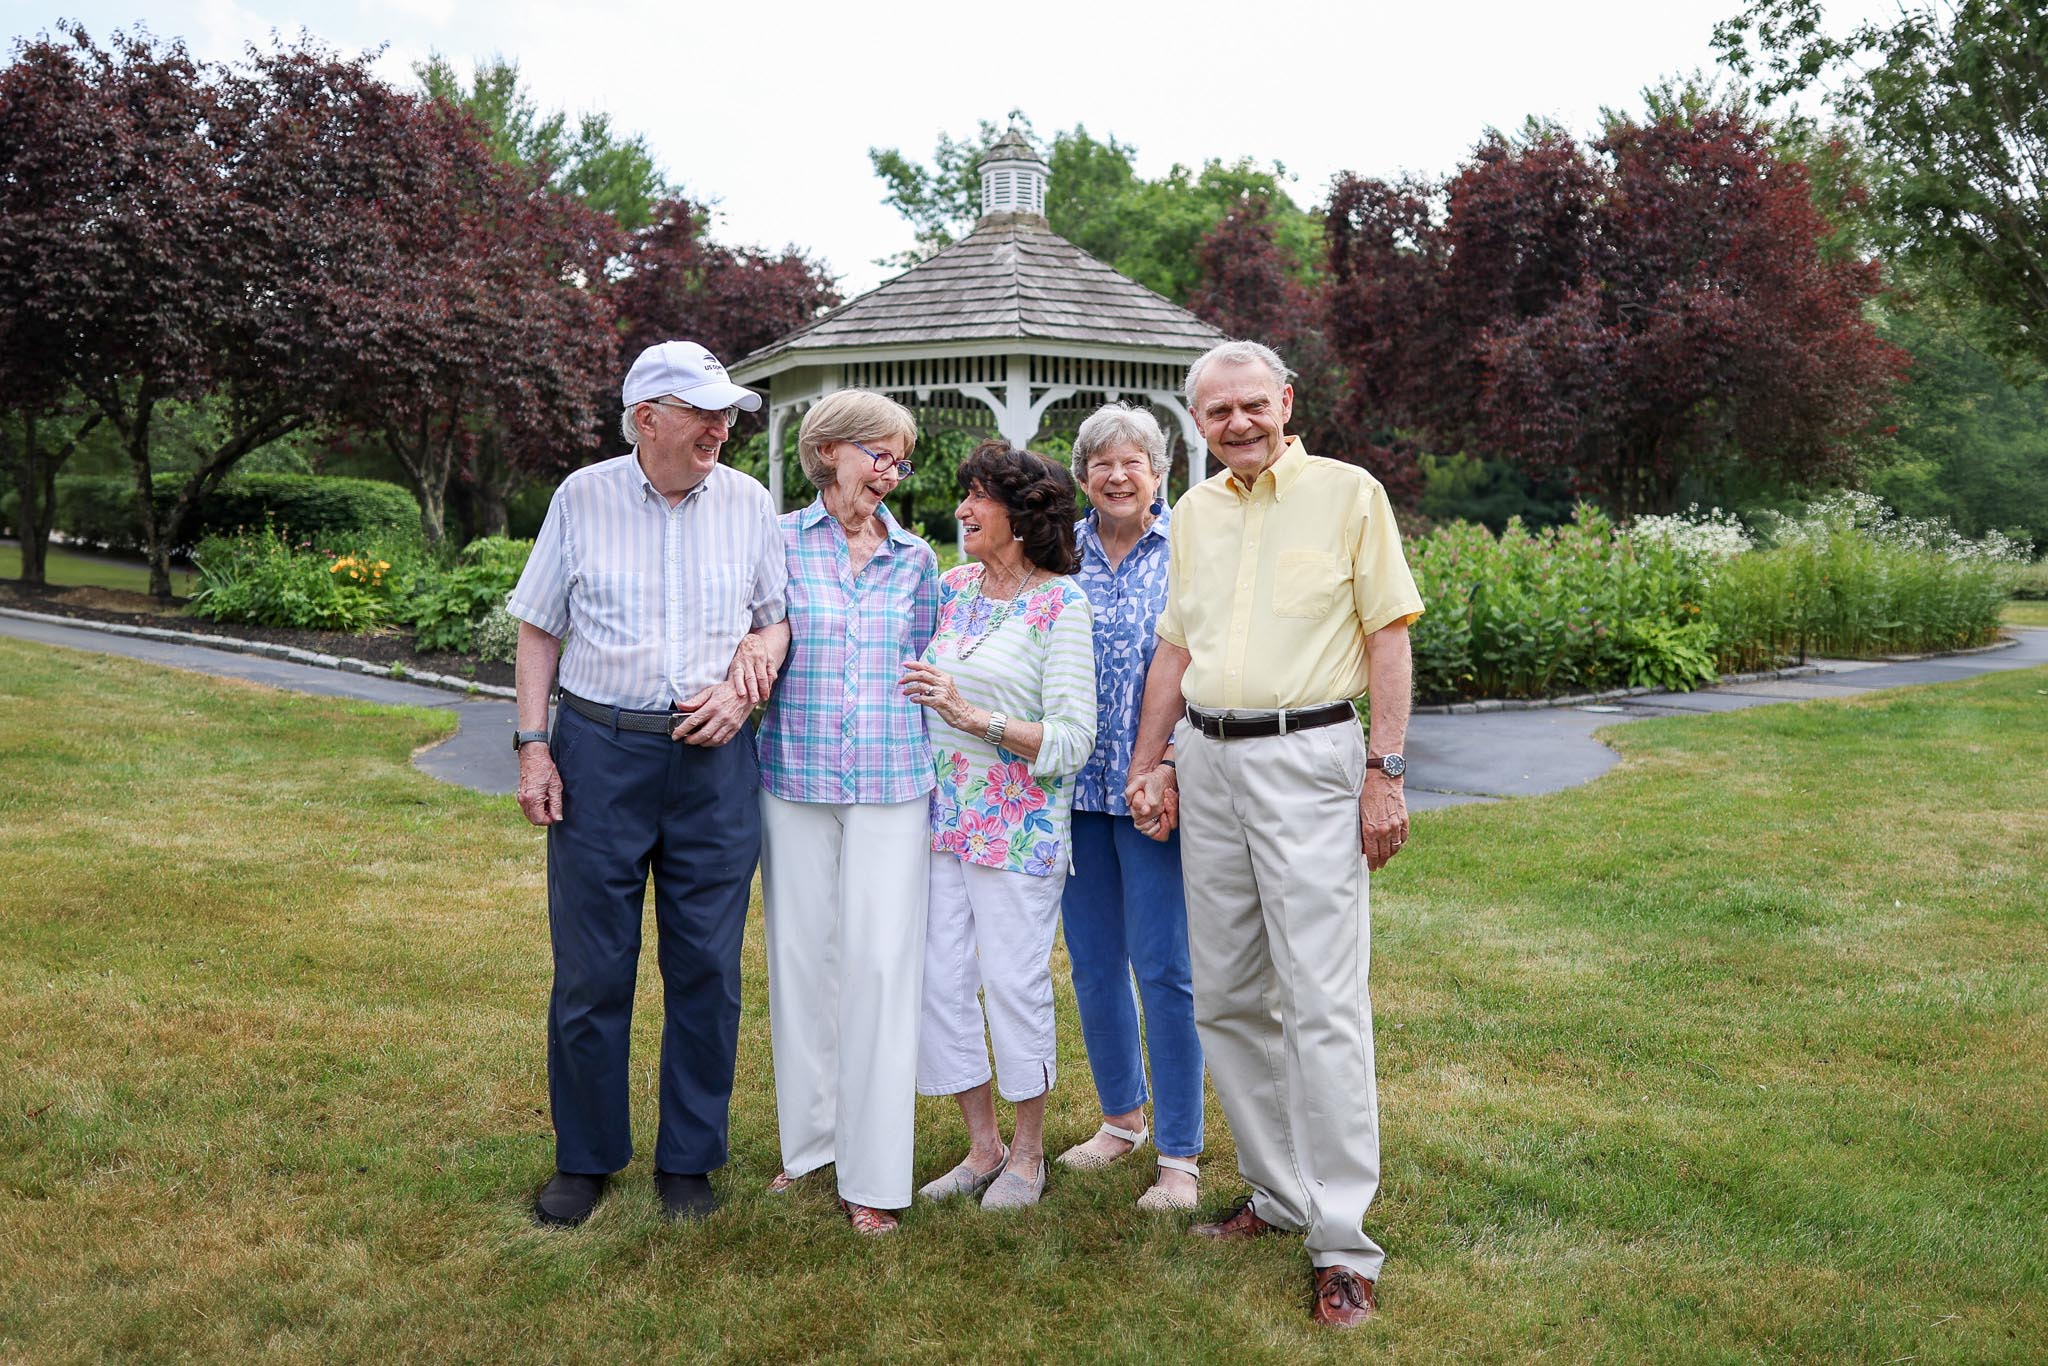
{"x": 651, "y": 600}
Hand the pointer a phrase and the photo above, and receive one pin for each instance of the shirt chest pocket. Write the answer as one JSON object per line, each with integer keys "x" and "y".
{"x": 1309, "y": 583}
{"x": 719, "y": 595}
{"x": 611, "y": 609}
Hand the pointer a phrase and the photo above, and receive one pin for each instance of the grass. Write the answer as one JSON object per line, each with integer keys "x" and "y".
{"x": 70, "y": 569}
{"x": 2026, "y": 612}
{"x": 1733, "y": 1054}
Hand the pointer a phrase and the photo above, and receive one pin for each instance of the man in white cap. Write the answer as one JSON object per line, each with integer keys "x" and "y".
{"x": 654, "y": 601}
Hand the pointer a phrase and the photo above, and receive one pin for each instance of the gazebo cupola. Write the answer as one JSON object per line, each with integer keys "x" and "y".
{"x": 1012, "y": 328}
{"x": 1013, "y": 177}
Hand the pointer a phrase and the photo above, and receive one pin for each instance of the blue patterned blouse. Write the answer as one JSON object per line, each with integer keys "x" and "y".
{"x": 1127, "y": 602}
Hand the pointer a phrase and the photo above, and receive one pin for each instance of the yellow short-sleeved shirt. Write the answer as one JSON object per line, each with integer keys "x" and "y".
{"x": 1273, "y": 589}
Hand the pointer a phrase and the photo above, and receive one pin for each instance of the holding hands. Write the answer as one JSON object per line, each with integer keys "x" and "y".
{"x": 1155, "y": 801}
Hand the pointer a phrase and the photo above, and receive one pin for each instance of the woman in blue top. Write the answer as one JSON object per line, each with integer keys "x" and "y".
{"x": 1123, "y": 909}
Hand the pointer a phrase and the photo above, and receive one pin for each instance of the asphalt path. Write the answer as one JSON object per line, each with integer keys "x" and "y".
{"x": 1470, "y": 757}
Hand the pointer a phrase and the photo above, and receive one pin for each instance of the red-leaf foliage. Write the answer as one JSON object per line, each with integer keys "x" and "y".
{"x": 1247, "y": 290}
{"x": 1622, "y": 316}
{"x": 679, "y": 284}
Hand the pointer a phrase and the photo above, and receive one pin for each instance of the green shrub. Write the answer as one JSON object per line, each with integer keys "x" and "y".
{"x": 495, "y": 636}
{"x": 261, "y": 579}
{"x": 101, "y": 511}
{"x": 1567, "y": 609}
{"x": 1849, "y": 578}
{"x": 443, "y": 605}
{"x": 2031, "y": 580}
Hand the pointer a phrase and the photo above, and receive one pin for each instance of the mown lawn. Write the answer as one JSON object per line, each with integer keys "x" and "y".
{"x": 2025, "y": 612}
{"x": 1735, "y": 1054}
{"x": 69, "y": 569}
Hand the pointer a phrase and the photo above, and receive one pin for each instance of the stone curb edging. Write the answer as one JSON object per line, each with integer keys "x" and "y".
{"x": 450, "y": 683}
{"x": 292, "y": 653}
{"x": 1726, "y": 680}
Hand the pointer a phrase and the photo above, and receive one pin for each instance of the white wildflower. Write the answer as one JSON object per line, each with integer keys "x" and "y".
{"x": 1709, "y": 535}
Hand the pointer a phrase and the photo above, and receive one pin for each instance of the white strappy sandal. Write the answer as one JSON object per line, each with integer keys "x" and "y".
{"x": 1081, "y": 1158}
{"x": 1159, "y": 1200}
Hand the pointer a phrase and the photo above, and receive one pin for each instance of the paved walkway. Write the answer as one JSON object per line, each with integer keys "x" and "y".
{"x": 1452, "y": 759}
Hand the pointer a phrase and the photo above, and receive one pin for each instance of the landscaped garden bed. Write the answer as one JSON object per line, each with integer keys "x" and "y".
{"x": 390, "y": 646}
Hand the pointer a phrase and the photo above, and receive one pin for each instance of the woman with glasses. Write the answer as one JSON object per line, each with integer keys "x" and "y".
{"x": 846, "y": 778}
{"x": 1009, "y": 680}
{"x": 1125, "y": 917}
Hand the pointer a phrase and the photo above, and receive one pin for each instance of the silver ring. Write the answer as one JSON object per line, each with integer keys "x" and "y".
{"x": 931, "y": 692}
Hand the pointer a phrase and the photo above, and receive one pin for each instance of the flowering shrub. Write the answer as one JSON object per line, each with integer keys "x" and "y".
{"x": 1712, "y": 535}
{"x": 1676, "y": 601}
{"x": 1849, "y": 577}
{"x": 263, "y": 579}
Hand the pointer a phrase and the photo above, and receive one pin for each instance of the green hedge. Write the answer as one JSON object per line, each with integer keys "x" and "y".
{"x": 100, "y": 510}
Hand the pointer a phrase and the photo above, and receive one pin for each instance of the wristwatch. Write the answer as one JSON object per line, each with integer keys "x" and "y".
{"x": 523, "y": 738}
{"x": 1393, "y": 765}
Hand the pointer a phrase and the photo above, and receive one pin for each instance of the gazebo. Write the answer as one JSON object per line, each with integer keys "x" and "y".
{"x": 1013, "y": 327}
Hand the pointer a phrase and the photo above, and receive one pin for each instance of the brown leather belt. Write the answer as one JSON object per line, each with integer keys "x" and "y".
{"x": 1217, "y": 726}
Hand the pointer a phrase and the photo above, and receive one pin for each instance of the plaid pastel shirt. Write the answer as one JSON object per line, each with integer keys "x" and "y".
{"x": 838, "y": 729}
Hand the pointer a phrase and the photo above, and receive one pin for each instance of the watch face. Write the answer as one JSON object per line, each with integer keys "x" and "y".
{"x": 1393, "y": 765}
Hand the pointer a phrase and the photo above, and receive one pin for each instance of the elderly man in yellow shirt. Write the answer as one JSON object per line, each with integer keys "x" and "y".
{"x": 1288, "y": 596}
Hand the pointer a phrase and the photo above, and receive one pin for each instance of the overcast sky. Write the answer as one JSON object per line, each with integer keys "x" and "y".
{"x": 770, "y": 109}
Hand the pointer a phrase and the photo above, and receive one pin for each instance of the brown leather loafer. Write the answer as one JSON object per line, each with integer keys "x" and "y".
{"x": 1344, "y": 1299}
{"x": 1241, "y": 1224}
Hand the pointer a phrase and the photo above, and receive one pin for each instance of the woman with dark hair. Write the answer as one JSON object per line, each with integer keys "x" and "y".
{"x": 1009, "y": 681}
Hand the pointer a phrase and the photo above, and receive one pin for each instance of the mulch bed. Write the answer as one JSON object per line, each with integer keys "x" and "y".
{"x": 388, "y": 646}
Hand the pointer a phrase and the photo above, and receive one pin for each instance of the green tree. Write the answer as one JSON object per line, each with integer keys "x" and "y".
{"x": 1951, "y": 103}
{"x": 1150, "y": 230}
{"x": 1967, "y": 444}
{"x": 612, "y": 174}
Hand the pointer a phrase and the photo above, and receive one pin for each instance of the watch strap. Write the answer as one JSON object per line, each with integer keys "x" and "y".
{"x": 523, "y": 738}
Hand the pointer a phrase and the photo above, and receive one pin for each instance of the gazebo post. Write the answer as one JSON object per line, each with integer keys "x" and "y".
{"x": 776, "y": 413}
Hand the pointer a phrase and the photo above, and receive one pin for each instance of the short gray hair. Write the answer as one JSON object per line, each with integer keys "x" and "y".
{"x": 1236, "y": 353}
{"x": 628, "y": 428}
{"x": 1118, "y": 424}
{"x": 851, "y": 415}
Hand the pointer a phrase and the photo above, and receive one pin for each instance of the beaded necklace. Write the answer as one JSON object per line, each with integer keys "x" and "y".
{"x": 1000, "y": 615}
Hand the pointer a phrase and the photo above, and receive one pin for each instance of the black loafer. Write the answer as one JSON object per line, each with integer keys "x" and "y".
{"x": 568, "y": 1199}
{"x": 684, "y": 1197}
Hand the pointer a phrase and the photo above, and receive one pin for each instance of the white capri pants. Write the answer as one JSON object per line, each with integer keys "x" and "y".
{"x": 989, "y": 931}
{"x": 843, "y": 889}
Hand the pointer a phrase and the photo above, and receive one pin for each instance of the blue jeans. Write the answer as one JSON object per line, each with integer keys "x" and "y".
{"x": 1123, "y": 911}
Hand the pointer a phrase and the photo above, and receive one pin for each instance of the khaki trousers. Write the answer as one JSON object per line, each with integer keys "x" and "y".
{"x": 1279, "y": 941}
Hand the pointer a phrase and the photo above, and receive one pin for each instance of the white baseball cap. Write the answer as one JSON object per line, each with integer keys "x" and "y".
{"x": 690, "y": 373}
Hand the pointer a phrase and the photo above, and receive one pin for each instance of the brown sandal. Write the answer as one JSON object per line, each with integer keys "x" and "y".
{"x": 871, "y": 1222}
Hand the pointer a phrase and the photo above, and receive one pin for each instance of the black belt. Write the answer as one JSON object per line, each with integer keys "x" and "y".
{"x": 1217, "y": 726}
{"x": 661, "y": 722}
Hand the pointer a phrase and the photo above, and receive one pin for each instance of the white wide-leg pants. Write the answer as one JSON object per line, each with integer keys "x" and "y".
{"x": 844, "y": 889}
{"x": 1279, "y": 941}
{"x": 990, "y": 932}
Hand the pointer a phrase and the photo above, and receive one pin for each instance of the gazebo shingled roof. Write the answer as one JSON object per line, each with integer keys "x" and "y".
{"x": 1013, "y": 320}
{"x": 1011, "y": 278}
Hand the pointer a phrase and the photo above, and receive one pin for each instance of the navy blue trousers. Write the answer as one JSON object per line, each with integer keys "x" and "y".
{"x": 633, "y": 803}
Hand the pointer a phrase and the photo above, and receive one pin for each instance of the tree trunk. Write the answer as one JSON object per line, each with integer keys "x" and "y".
{"x": 495, "y": 477}
{"x": 259, "y": 431}
{"x": 35, "y": 479}
{"x": 428, "y": 462}
{"x": 136, "y": 430}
